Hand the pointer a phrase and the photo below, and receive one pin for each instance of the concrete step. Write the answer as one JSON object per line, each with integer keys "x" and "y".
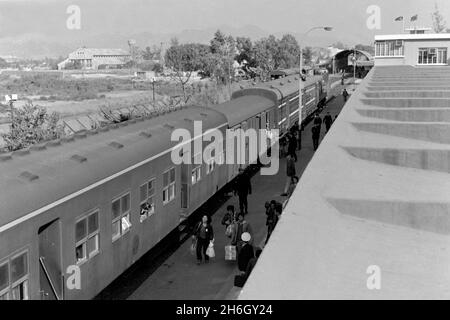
{"x": 408, "y": 88}
{"x": 432, "y": 132}
{"x": 407, "y": 103}
{"x": 431, "y": 217}
{"x": 408, "y": 115}
{"x": 408, "y": 94}
{"x": 435, "y": 160}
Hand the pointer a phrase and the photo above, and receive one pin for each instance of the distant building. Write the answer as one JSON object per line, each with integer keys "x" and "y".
{"x": 416, "y": 48}
{"x": 10, "y": 59}
{"x": 94, "y": 59}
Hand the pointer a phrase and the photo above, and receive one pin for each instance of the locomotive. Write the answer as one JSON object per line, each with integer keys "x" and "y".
{"x": 75, "y": 213}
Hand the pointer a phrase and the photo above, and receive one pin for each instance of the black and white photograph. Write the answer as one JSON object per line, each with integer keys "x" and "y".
{"x": 224, "y": 154}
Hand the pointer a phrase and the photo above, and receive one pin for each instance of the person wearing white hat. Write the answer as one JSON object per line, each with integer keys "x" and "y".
{"x": 246, "y": 253}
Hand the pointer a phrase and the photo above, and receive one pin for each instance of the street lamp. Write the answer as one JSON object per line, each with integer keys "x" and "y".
{"x": 300, "y": 94}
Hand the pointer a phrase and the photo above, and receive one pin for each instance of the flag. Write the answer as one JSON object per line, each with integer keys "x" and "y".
{"x": 414, "y": 18}
{"x": 399, "y": 19}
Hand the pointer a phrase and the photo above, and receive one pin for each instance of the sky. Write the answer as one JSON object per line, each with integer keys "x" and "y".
{"x": 47, "y": 18}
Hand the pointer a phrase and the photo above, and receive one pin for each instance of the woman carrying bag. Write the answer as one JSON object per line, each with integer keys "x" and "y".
{"x": 204, "y": 234}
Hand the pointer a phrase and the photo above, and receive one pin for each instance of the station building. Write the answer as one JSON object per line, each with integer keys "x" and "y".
{"x": 416, "y": 49}
{"x": 94, "y": 59}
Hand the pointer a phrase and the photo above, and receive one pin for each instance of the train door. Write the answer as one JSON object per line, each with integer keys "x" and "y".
{"x": 50, "y": 265}
{"x": 185, "y": 186}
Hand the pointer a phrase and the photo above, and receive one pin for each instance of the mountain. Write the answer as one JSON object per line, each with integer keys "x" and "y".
{"x": 39, "y": 45}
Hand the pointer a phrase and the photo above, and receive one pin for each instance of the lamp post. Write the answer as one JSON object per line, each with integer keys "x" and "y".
{"x": 300, "y": 94}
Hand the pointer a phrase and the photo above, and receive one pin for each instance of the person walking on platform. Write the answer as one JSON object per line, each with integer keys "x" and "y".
{"x": 290, "y": 173}
{"x": 241, "y": 226}
{"x": 292, "y": 186}
{"x": 204, "y": 234}
{"x": 315, "y": 136}
{"x": 292, "y": 146}
{"x": 345, "y": 95}
{"x": 243, "y": 189}
{"x": 229, "y": 217}
{"x": 328, "y": 120}
{"x": 271, "y": 219}
{"x": 318, "y": 121}
{"x": 246, "y": 253}
{"x": 297, "y": 134}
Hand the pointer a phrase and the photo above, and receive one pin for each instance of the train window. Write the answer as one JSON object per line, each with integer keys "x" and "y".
{"x": 197, "y": 168}
{"x": 196, "y": 174}
{"x": 168, "y": 185}
{"x": 4, "y": 276}
{"x": 147, "y": 203}
{"x": 210, "y": 166}
{"x": 120, "y": 216}
{"x": 14, "y": 278}
{"x": 19, "y": 267}
{"x": 87, "y": 237}
{"x": 20, "y": 291}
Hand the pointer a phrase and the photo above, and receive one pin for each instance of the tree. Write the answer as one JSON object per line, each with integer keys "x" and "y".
{"x": 288, "y": 55}
{"x": 307, "y": 55}
{"x": 3, "y": 63}
{"x": 339, "y": 45}
{"x": 266, "y": 51}
{"x": 151, "y": 53}
{"x": 438, "y": 20}
{"x": 367, "y": 48}
{"x": 30, "y": 125}
{"x": 224, "y": 47}
{"x": 184, "y": 59}
{"x": 73, "y": 65}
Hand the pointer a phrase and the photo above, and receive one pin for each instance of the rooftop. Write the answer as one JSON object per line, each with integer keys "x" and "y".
{"x": 425, "y": 36}
{"x": 375, "y": 194}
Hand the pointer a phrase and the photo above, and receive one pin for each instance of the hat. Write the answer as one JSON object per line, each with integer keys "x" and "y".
{"x": 246, "y": 237}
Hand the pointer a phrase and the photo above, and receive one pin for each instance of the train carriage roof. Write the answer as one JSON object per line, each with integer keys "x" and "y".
{"x": 243, "y": 108}
{"x": 43, "y": 174}
{"x": 280, "y": 88}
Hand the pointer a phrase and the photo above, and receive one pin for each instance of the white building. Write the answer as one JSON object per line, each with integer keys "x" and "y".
{"x": 94, "y": 59}
{"x": 416, "y": 49}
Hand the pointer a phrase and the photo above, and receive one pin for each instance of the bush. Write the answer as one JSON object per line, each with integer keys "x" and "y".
{"x": 31, "y": 125}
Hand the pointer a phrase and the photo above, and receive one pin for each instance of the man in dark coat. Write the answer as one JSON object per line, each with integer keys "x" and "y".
{"x": 246, "y": 253}
{"x": 292, "y": 146}
{"x": 243, "y": 189}
{"x": 290, "y": 172}
{"x": 297, "y": 134}
{"x": 345, "y": 95}
{"x": 328, "y": 120}
{"x": 318, "y": 121}
{"x": 315, "y": 136}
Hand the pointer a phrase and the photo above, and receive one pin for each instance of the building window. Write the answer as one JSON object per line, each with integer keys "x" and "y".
{"x": 432, "y": 56}
{"x": 197, "y": 170}
{"x": 393, "y": 48}
{"x": 120, "y": 210}
{"x": 147, "y": 200}
{"x": 14, "y": 278}
{"x": 86, "y": 237}
{"x": 168, "y": 186}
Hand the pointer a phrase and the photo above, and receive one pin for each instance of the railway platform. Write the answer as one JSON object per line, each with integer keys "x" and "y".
{"x": 179, "y": 277}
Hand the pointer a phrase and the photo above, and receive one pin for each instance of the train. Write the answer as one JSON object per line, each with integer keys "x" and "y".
{"x": 77, "y": 212}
